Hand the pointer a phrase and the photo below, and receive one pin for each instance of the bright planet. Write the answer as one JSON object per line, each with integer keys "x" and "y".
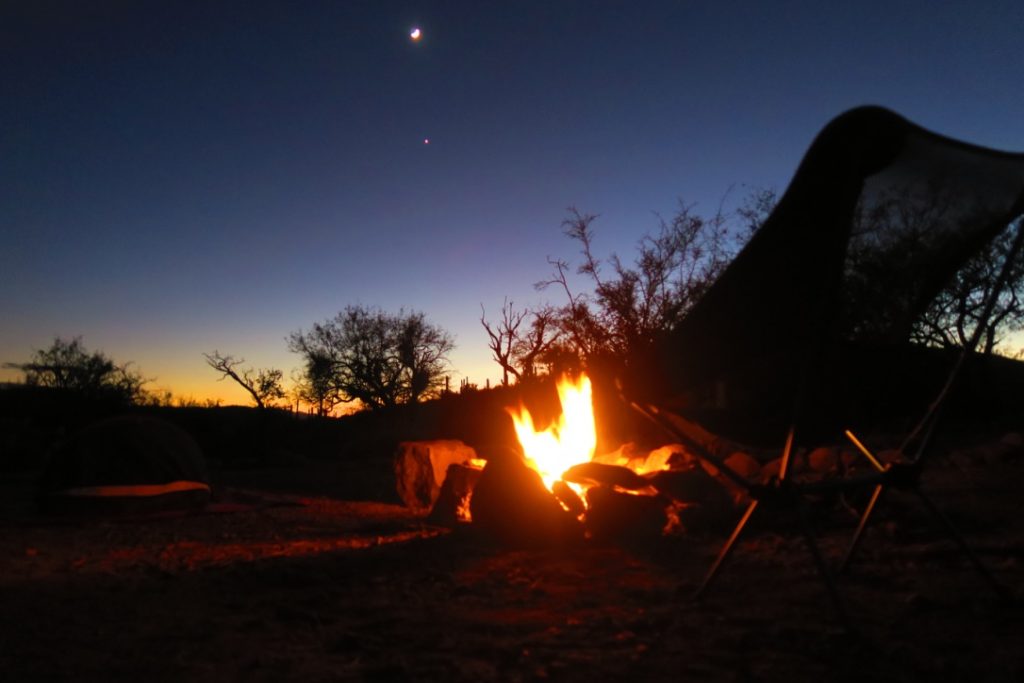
{"x": 416, "y": 34}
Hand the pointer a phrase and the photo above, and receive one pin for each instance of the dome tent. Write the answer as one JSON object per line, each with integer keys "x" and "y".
{"x": 127, "y": 464}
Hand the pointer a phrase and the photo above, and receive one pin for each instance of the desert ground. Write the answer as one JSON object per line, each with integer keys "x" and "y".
{"x": 291, "y": 576}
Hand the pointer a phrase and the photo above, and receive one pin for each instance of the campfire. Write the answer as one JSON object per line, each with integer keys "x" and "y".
{"x": 557, "y": 485}
{"x": 565, "y": 456}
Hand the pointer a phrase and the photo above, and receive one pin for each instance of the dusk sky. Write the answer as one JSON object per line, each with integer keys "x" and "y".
{"x": 179, "y": 177}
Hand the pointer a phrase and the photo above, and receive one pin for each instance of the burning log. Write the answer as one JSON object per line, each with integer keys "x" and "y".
{"x": 707, "y": 503}
{"x": 420, "y": 468}
{"x": 596, "y": 473}
{"x": 618, "y": 516}
{"x": 568, "y": 498}
{"x": 511, "y": 504}
{"x": 452, "y": 506}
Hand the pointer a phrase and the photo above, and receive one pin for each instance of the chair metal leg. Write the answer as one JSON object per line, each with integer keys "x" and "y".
{"x": 1000, "y": 590}
{"x": 861, "y": 526}
{"x": 726, "y": 550}
{"x": 787, "y": 454}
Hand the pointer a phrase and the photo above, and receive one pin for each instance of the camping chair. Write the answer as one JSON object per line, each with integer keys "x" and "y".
{"x": 879, "y": 217}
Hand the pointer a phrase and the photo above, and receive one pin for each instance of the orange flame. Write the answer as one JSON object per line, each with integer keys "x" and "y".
{"x": 568, "y": 441}
{"x": 572, "y": 439}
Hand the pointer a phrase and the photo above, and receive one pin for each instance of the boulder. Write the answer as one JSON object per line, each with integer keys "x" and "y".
{"x": 129, "y": 464}
{"x": 420, "y": 468}
{"x": 744, "y": 465}
{"x": 823, "y": 460}
{"x": 797, "y": 465}
{"x": 1013, "y": 440}
{"x": 1010, "y": 447}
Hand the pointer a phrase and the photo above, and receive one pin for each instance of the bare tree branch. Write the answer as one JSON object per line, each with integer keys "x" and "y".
{"x": 264, "y": 385}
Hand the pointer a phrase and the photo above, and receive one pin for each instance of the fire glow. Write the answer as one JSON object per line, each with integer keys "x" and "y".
{"x": 572, "y": 439}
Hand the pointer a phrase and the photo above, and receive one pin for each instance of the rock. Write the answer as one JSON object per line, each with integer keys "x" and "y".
{"x": 1014, "y": 439}
{"x": 452, "y": 506}
{"x": 770, "y": 469}
{"x": 744, "y": 465}
{"x": 511, "y": 504}
{"x": 824, "y": 460}
{"x": 605, "y": 475}
{"x": 420, "y": 468}
{"x": 614, "y": 515}
{"x": 851, "y": 460}
{"x": 797, "y": 464}
{"x": 1010, "y": 447}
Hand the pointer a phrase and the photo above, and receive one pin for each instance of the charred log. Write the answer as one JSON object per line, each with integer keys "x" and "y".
{"x": 569, "y": 498}
{"x": 617, "y": 516}
{"x": 452, "y": 506}
{"x": 706, "y": 503}
{"x": 596, "y": 473}
{"x": 511, "y": 505}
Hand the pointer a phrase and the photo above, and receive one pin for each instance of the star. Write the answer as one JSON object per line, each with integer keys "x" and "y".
{"x": 415, "y": 34}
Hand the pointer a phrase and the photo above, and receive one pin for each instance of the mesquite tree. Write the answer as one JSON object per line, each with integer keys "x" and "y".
{"x": 629, "y": 305}
{"x": 520, "y": 340}
{"x": 68, "y": 366}
{"x": 264, "y": 385}
{"x": 377, "y": 358}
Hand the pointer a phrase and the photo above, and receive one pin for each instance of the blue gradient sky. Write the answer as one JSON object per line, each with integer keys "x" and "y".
{"x": 179, "y": 177}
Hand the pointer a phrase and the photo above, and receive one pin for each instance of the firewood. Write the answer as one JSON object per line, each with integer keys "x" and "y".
{"x": 568, "y": 498}
{"x": 511, "y": 504}
{"x": 452, "y": 506}
{"x": 605, "y": 475}
{"x": 618, "y": 516}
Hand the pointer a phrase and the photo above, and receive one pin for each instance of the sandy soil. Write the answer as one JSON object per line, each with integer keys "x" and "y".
{"x": 314, "y": 588}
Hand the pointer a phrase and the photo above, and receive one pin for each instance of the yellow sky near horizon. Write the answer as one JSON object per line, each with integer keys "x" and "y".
{"x": 194, "y": 381}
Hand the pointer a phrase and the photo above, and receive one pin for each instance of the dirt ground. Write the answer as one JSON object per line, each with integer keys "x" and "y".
{"x": 320, "y": 589}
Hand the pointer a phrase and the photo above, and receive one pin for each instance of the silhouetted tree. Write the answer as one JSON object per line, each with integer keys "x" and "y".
{"x": 314, "y": 384}
{"x": 952, "y": 316}
{"x": 519, "y": 346}
{"x": 630, "y": 305}
{"x": 889, "y": 257}
{"x": 67, "y": 365}
{"x": 423, "y": 351}
{"x": 377, "y": 358}
{"x": 502, "y": 337}
{"x": 264, "y": 385}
